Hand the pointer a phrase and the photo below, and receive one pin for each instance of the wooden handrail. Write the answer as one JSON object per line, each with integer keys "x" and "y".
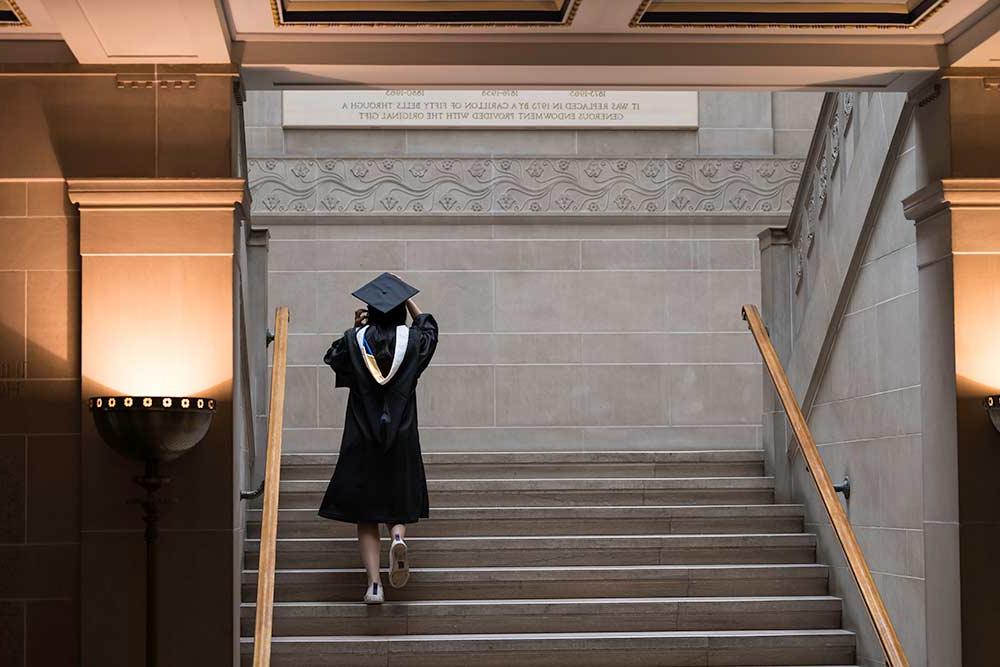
{"x": 814, "y": 464}
{"x": 272, "y": 480}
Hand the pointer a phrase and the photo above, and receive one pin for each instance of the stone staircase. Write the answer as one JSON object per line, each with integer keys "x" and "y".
{"x": 559, "y": 558}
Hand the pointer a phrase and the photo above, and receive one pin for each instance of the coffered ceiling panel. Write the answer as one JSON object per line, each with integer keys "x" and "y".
{"x": 771, "y": 13}
{"x": 423, "y": 12}
{"x": 26, "y": 19}
{"x": 11, "y": 14}
{"x": 249, "y": 18}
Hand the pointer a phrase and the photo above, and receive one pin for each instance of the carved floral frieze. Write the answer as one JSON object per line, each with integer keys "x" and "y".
{"x": 522, "y": 186}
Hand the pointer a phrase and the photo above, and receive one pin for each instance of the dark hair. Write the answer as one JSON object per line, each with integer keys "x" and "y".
{"x": 393, "y": 318}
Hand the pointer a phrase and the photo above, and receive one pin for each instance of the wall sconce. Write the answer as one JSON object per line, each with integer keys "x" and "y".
{"x": 992, "y": 405}
{"x": 151, "y": 429}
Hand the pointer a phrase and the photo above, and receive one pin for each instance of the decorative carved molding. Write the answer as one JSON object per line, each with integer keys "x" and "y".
{"x": 136, "y": 81}
{"x": 818, "y": 173}
{"x": 523, "y": 186}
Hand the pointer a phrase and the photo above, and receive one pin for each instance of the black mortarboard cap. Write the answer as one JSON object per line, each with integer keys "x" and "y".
{"x": 385, "y": 292}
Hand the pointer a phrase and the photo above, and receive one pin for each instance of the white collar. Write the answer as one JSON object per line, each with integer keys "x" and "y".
{"x": 402, "y": 338}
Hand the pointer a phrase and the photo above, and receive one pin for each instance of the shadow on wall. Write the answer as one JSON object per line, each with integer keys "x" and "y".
{"x": 48, "y": 132}
{"x": 39, "y": 500}
{"x": 34, "y": 399}
{"x": 979, "y": 510}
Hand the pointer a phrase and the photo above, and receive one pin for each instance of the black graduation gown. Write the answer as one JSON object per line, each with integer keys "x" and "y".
{"x": 379, "y": 476}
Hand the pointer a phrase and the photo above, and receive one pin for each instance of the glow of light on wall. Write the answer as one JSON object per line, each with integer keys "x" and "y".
{"x": 139, "y": 373}
{"x": 157, "y": 326}
{"x": 977, "y": 320}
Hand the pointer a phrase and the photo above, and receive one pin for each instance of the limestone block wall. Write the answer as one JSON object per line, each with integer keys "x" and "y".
{"x": 597, "y": 321}
{"x": 851, "y": 344}
{"x": 562, "y": 336}
{"x": 39, "y": 424}
{"x": 867, "y": 418}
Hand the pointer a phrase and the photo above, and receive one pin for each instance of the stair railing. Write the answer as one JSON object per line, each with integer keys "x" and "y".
{"x": 272, "y": 480}
{"x": 874, "y": 604}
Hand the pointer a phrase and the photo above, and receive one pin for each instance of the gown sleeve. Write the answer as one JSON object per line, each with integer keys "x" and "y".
{"x": 337, "y": 358}
{"x": 426, "y": 329}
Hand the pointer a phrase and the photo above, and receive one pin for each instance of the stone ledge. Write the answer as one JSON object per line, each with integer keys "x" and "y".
{"x": 124, "y": 193}
{"x": 951, "y": 193}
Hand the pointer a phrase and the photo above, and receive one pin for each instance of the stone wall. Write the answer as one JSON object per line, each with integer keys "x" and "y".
{"x": 845, "y": 311}
{"x": 39, "y": 424}
{"x": 588, "y": 283}
{"x": 568, "y": 336}
{"x": 71, "y": 545}
{"x": 866, "y": 416}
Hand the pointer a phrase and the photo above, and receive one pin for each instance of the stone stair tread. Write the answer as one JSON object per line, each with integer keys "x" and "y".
{"x": 588, "y": 457}
{"x": 547, "y": 519}
{"x": 561, "y": 483}
{"x": 547, "y": 636}
{"x": 249, "y": 608}
{"x": 602, "y": 571}
{"x": 567, "y": 491}
{"x": 560, "y": 541}
{"x": 552, "y": 614}
{"x": 783, "y": 647}
{"x": 294, "y": 514}
{"x": 557, "y": 549}
{"x": 686, "y": 575}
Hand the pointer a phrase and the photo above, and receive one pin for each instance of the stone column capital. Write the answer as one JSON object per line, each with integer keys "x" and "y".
{"x": 125, "y": 193}
{"x": 771, "y": 236}
{"x": 156, "y": 216}
{"x": 955, "y": 216}
{"x": 259, "y": 237}
{"x": 950, "y": 193}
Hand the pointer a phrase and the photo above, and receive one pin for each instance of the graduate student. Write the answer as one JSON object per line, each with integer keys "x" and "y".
{"x": 379, "y": 478}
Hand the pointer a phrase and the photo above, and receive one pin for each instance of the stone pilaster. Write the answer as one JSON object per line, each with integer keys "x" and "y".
{"x": 958, "y": 257}
{"x": 775, "y": 275}
{"x": 157, "y": 313}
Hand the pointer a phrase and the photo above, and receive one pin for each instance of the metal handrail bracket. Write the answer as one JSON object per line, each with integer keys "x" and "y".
{"x": 874, "y": 604}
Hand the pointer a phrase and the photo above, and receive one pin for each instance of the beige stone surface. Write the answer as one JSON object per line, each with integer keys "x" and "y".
{"x": 40, "y": 409}
{"x": 59, "y": 580}
{"x": 53, "y": 320}
{"x": 865, "y": 414}
{"x": 13, "y": 307}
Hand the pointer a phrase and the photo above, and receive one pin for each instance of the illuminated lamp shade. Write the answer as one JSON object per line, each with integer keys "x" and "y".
{"x": 992, "y": 404}
{"x": 152, "y": 428}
